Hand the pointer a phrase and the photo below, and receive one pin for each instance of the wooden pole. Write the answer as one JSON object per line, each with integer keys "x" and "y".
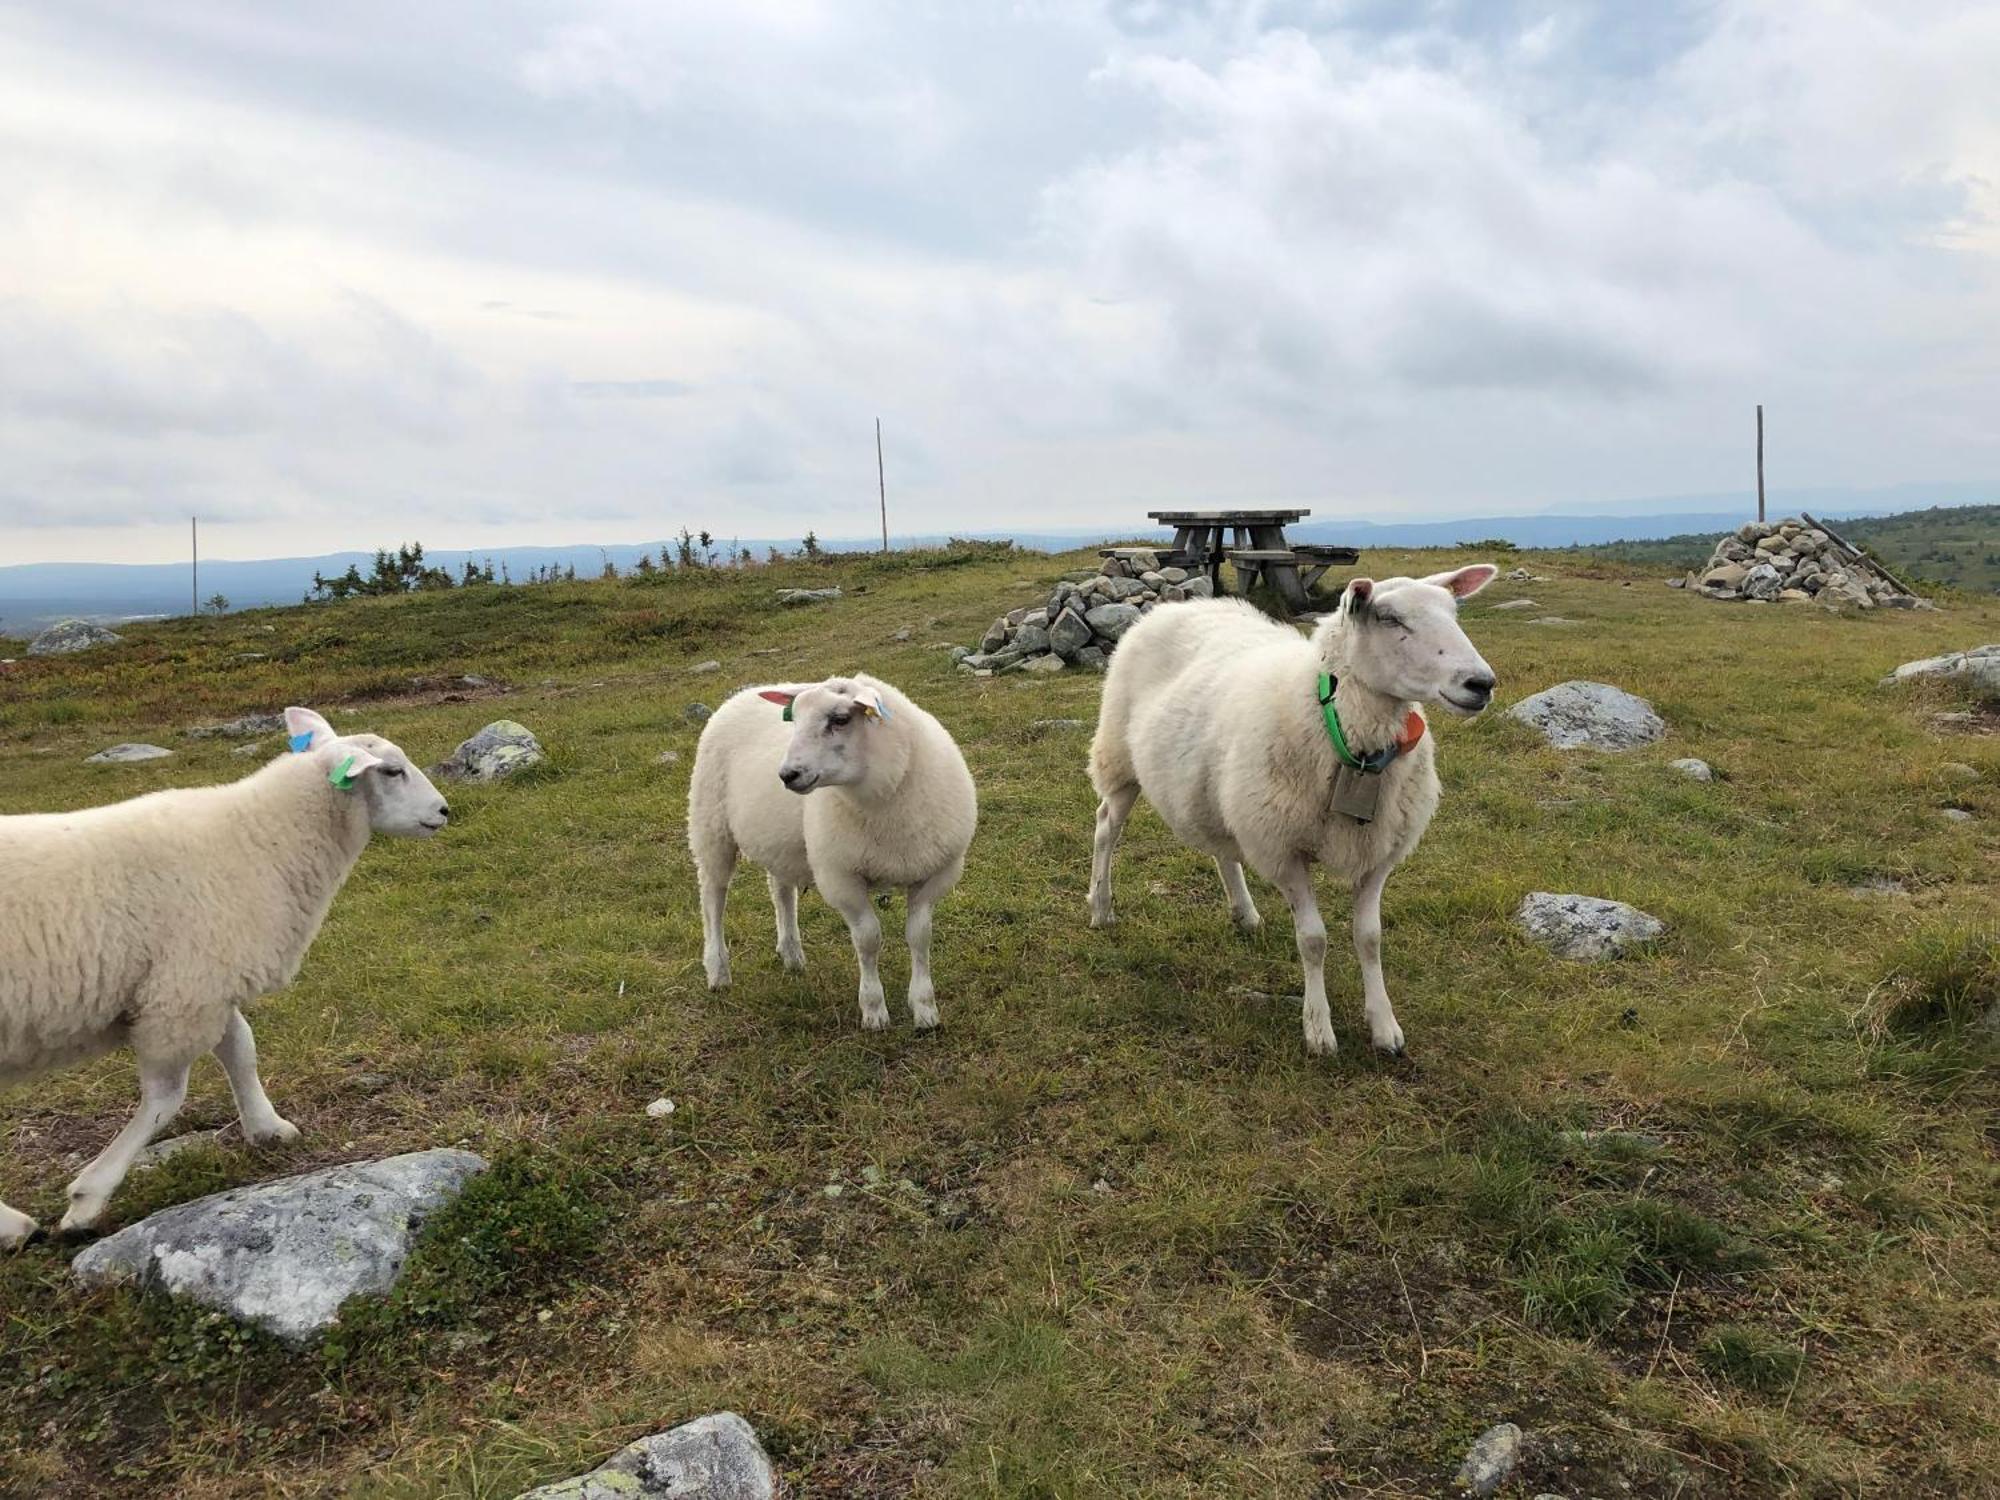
{"x": 194, "y": 567}
{"x": 882, "y": 484}
{"x": 1760, "y": 461}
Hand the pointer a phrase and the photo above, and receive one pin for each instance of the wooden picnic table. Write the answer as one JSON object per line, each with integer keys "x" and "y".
{"x": 1257, "y": 549}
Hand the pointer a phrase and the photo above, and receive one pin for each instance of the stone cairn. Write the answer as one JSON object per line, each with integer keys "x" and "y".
{"x": 1796, "y": 561}
{"x": 1084, "y": 617}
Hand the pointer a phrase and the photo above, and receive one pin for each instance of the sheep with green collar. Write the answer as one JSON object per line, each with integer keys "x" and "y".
{"x": 1264, "y": 748}
{"x": 844, "y": 785}
{"x": 151, "y": 923}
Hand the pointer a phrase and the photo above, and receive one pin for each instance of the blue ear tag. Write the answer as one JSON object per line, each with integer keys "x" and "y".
{"x": 302, "y": 742}
{"x": 341, "y": 777}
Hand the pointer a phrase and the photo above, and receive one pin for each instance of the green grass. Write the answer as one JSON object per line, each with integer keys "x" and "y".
{"x": 1716, "y": 1219}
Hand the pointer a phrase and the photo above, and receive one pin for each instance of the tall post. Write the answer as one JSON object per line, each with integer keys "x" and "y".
{"x": 1760, "y": 461}
{"x": 194, "y": 568}
{"x": 882, "y": 484}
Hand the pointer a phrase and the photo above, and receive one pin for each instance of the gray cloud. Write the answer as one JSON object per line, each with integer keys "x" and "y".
{"x": 329, "y": 277}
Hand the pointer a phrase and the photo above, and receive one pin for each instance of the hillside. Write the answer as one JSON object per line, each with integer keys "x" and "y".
{"x": 1714, "y": 1220}
{"x": 1955, "y": 546}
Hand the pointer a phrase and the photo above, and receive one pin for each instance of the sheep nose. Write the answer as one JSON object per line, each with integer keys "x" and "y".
{"x": 788, "y": 774}
{"x": 1482, "y": 685}
{"x": 444, "y": 809}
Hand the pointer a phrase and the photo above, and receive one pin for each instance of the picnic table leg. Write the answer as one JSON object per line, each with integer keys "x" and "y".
{"x": 1213, "y": 545}
{"x": 1284, "y": 578}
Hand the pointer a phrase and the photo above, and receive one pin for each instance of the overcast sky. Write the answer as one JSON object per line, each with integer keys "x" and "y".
{"x": 472, "y": 272}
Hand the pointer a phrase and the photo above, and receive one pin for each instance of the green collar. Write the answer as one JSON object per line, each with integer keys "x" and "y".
{"x": 1375, "y": 762}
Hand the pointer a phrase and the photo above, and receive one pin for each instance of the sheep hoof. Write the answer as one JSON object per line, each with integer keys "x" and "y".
{"x": 1103, "y": 919}
{"x": 78, "y": 1225}
{"x": 277, "y": 1133}
{"x": 1321, "y": 1043}
{"x": 1248, "y": 921}
{"x": 876, "y": 1019}
{"x": 1389, "y": 1040}
{"x": 17, "y": 1230}
{"x": 719, "y": 981}
{"x": 924, "y": 1017}
{"x": 793, "y": 960}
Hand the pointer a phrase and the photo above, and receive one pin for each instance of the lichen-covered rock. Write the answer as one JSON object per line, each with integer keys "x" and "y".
{"x": 807, "y": 596}
{"x": 1694, "y": 769}
{"x": 66, "y": 636}
{"x": 1585, "y": 927}
{"x": 1490, "y": 1460}
{"x": 1069, "y": 634}
{"x": 1590, "y": 716}
{"x": 1112, "y": 620}
{"x": 118, "y": 755}
{"x": 286, "y": 1255}
{"x": 1516, "y": 604}
{"x": 715, "y": 1457}
{"x": 247, "y": 727}
{"x": 499, "y": 750}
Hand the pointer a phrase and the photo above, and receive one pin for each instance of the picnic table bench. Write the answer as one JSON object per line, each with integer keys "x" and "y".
{"x": 1257, "y": 549}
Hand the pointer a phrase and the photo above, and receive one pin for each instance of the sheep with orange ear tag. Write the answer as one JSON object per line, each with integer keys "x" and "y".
{"x": 843, "y": 785}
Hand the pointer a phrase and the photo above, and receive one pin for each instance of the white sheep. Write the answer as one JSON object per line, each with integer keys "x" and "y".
{"x": 892, "y": 806}
{"x": 1215, "y": 712}
{"x": 151, "y": 923}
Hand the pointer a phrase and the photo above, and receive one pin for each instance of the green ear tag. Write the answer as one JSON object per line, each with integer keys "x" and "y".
{"x": 788, "y": 713}
{"x": 341, "y": 777}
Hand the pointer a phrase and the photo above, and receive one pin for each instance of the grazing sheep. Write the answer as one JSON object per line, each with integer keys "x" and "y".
{"x": 1216, "y": 713}
{"x": 150, "y": 923}
{"x": 894, "y": 807}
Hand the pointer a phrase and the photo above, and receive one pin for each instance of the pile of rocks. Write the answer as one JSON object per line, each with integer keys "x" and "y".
{"x": 1084, "y": 617}
{"x": 1795, "y": 561}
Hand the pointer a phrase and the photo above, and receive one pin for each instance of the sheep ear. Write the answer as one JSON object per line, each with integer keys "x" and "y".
{"x": 307, "y": 729}
{"x": 348, "y": 764}
{"x": 871, "y": 702}
{"x": 1358, "y": 599}
{"x": 783, "y": 695}
{"x": 1465, "y": 582}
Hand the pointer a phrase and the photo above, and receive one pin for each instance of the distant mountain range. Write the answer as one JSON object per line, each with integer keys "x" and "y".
{"x": 33, "y": 594}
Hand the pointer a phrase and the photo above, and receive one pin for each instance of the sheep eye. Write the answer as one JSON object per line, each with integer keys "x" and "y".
{"x": 392, "y": 770}
{"x": 838, "y": 721}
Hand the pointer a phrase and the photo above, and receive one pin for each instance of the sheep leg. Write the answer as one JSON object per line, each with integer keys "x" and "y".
{"x": 1111, "y": 815}
{"x": 923, "y": 899}
{"x": 1242, "y": 910}
{"x": 715, "y": 866}
{"x": 785, "y": 902}
{"x": 162, "y": 1088}
{"x": 1382, "y": 1027}
{"x": 850, "y": 898}
{"x": 237, "y": 1052}
{"x": 1294, "y": 879}
{"x": 16, "y": 1228}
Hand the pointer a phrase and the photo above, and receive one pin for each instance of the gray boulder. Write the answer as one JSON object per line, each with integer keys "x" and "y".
{"x": 1585, "y": 926}
{"x": 807, "y": 596}
{"x": 1199, "y": 587}
{"x": 1516, "y": 604}
{"x": 1031, "y": 638}
{"x": 247, "y": 727}
{"x": 1117, "y": 590}
{"x": 1590, "y": 716}
{"x": 711, "y": 1458}
{"x": 697, "y": 713}
{"x": 118, "y": 755}
{"x": 1763, "y": 582}
{"x": 1978, "y": 669}
{"x": 1068, "y": 635}
{"x": 286, "y": 1255}
{"x": 1112, "y": 620}
{"x": 66, "y": 636}
{"x": 1693, "y": 769}
{"x": 1490, "y": 1460}
{"x": 499, "y": 750}
{"x": 1047, "y": 662}
{"x": 1092, "y": 659}
{"x": 996, "y": 635}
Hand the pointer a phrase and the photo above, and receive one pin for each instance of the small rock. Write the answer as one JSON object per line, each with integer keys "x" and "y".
{"x": 996, "y": 635}
{"x": 1091, "y": 659}
{"x": 1069, "y": 634}
{"x": 173, "y": 1146}
{"x": 659, "y": 1109}
{"x": 1044, "y": 664}
{"x": 1200, "y": 587}
{"x": 1957, "y": 815}
{"x": 1044, "y": 726}
{"x": 1174, "y": 575}
{"x": 667, "y": 758}
{"x": 806, "y": 596}
{"x": 1490, "y": 1460}
{"x": 1878, "y": 885}
{"x": 1120, "y": 590}
{"x": 119, "y": 755}
{"x": 1030, "y": 638}
{"x": 1585, "y": 927}
{"x": 1516, "y": 604}
{"x": 253, "y": 748}
{"x": 1693, "y": 769}
{"x": 705, "y": 666}
{"x": 1551, "y": 620}
{"x": 715, "y": 1457}
{"x": 501, "y": 749}
{"x": 66, "y": 636}
{"x": 286, "y": 1255}
{"x": 1951, "y": 770}
{"x": 1110, "y": 621}
{"x": 1590, "y": 716}
{"x": 697, "y": 713}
